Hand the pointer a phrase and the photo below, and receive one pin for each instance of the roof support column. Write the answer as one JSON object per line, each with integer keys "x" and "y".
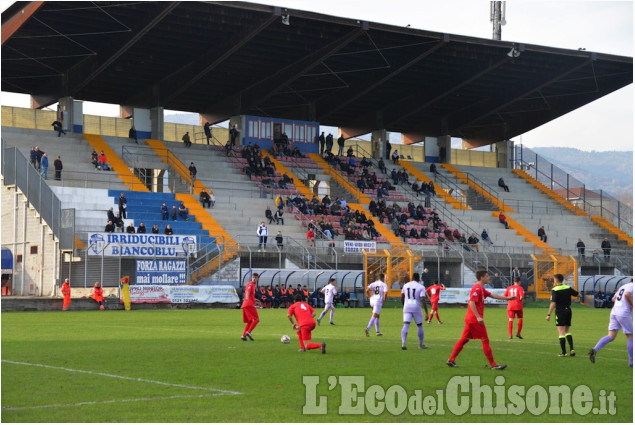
{"x": 156, "y": 123}
{"x": 504, "y": 153}
{"x": 443, "y": 149}
{"x": 141, "y": 120}
{"x": 379, "y": 143}
{"x": 70, "y": 113}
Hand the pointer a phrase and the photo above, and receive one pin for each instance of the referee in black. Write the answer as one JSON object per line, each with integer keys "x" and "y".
{"x": 561, "y": 300}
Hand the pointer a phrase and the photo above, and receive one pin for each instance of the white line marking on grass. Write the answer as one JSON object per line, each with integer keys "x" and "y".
{"x": 109, "y": 375}
{"x": 89, "y": 403}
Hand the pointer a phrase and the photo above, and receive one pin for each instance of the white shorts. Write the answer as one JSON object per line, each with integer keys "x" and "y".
{"x": 377, "y": 305}
{"x": 329, "y": 306}
{"x": 625, "y": 323}
{"x": 415, "y": 316}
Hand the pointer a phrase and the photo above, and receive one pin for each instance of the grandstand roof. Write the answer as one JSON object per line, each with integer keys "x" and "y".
{"x": 228, "y": 58}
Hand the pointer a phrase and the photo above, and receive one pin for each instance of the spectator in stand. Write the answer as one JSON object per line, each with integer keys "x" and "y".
{"x": 98, "y": 295}
{"x": 485, "y": 237}
{"x": 382, "y": 165}
{"x": 132, "y": 134}
{"x": 388, "y": 148}
{"x": 497, "y": 282}
{"x": 130, "y": 228}
{"x": 57, "y": 126}
{"x": 322, "y": 141}
{"x": 447, "y": 233}
{"x": 186, "y": 139}
{"x": 501, "y": 183}
{"x": 542, "y": 234}
{"x": 118, "y": 222}
{"x": 208, "y": 131}
{"x": 168, "y": 230}
{"x": 581, "y": 247}
{"x": 524, "y": 281}
{"x": 58, "y": 168}
{"x": 233, "y": 134}
{"x": 183, "y": 212}
{"x": 111, "y": 215}
{"x": 174, "y": 212}
{"x": 269, "y": 214}
{"x": 278, "y": 216}
{"x": 110, "y": 227}
{"x": 503, "y": 220}
{"x": 329, "y": 143}
{"x": 192, "y": 169}
{"x": 155, "y": 229}
{"x": 164, "y": 211}
{"x": 340, "y": 144}
{"x": 446, "y": 280}
{"x": 279, "y": 240}
{"x": 44, "y": 164}
{"x": 102, "y": 162}
{"x": 310, "y": 236}
{"x": 395, "y": 157}
{"x": 473, "y": 242}
{"x": 262, "y": 233}
{"x": 142, "y": 228}
{"x": 433, "y": 169}
{"x": 122, "y": 202}
{"x": 205, "y": 198}
{"x": 33, "y": 157}
{"x": 606, "y": 248}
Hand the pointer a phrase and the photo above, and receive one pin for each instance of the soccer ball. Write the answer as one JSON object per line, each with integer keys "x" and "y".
{"x": 285, "y": 339}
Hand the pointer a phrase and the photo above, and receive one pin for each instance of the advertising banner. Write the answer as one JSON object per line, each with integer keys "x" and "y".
{"x": 357, "y": 246}
{"x": 161, "y": 272}
{"x": 133, "y": 245}
{"x": 224, "y": 294}
{"x": 461, "y": 295}
{"x": 149, "y": 294}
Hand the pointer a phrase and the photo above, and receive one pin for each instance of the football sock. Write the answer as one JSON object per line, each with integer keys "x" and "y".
{"x": 331, "y": 315}
{"x": 313, "y": 346}
{"x": 520, "y": 326}
{"x": 563, "y": 343}
{"x": 488, "y": 352}
{"x": 629, "y": 348}
{"x": 370, "y": 322}
{"x": 570, "y": 340}
{"x": 420, "y": 333}
{"x": 602, "y": 342}
{"x": 404, "y": 333}
{"x": 436, "y": 313}
{"x": 430, "y": 318}
{"x": 253, "y": 325}
{"x": 322, "y": 315}
{"x": 246, "y": 328}
{"x": 510, "y": 326}
{"x": 377, "y": 325}
{"x": 300, "y": 339}
{"x": 457, "y": 348}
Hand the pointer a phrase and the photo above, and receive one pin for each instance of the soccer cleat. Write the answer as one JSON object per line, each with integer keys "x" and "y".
{"x": 572, "y": 353}
{"x": 318, "y": 321}
{"x": 403, "y": 347}
{"x": 511, "y": 337}
{"x": 323, "y": 348}
{"x": 244, "y": 338}
{"x": 451, "y": 363}
{"x": 423, "y": 347}
{"x": 499, "y": 367}
{"x": 429, "y": 321}
{"x": 519, "y": 337}
{"x": 592, "y": 354}
{"x": 302, "y": 350}
{"x": 440, "y": 322}
{"x": 563, "y": 355}
{"x": 366, "y": 332}
{"x": 379, "y": 334}
{"x": 331, "y": 323}
{"x": 249, "y": 336}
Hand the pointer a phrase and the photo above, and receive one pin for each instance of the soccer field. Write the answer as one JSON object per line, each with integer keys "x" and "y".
{"x": 191, "y": 366}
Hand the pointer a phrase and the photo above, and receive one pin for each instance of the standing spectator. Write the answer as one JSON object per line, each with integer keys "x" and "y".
{"x": 122, "y": 201}
{"x": 425, "y": 277}
{"x": 542, "y": 234}
{"x": 606, "y": 247}
{"x": 382, "y": 165}
{"x": 142, "y": 228}
{"x": 524, "y": 281}
{"x": 130, "y": 229}
{"x": 329, "y": 143}
{"x": 173, "y": 213}
{"x": 192, "y": 169}
{"x": 205, "y": 198}
{"x": 322, "y": 141}
{"x": 340, "y": 144}
{"x": 497, "y": 282}
{"x": 503, "y": 220}
{"x": 39, "y": 154}
{"x": 388, "y": 148}
{"x": 66, "y": 293}
{"x": 433, "y": 169}
{"x": 262, "y": 236}
{"x": 164, "y": 211}
{"x": 501, "y": 183}
{"x": 155, "y": 229}
{"x": 233, "y": 134}
{"x": 168, "y": 230}
{"x": 515, "y": 273}
{"x": 98, "y": 295}
{"x": 33, "y": 157}
{"x": 208, "y": 131}
{"x": 446, "y": 280}
{"x": 395, "y": 157}
{"x": 57, "y": 126}
{"x": 186, "y": 139}
{"x": 310, "y": 236}
{"x": 132, "y": 134}
{"x": 580, "y": 245}
{"x": 58, "y": 168}
{"x": 279, "y": 240}
{"x": 44, "y": 164}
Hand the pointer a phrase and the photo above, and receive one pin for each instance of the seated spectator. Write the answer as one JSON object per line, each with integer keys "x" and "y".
{"x": 433, "y": 168}
{"x": 503, "y": 220}
{"x": 130, "y": 228}
{"x": 155, "y": 229}
{"x": 168, "y": 230}
{"x": 110, "y": 227}
{"x": 501, "y": 183}
{"x": 448, "y": 235}
{"x": 413, "y": 233}
{"x": 365, "y": 162}
{"x": 94, "y": 159}
{"x": 473, "y": 242}
{"x": 102, "y": 162}
{"x": 278, "y": 216}
{"x": 463, "y": 241}
{"x": 186, "y": 139}
{"x": 118, "y": 222}
{"x": 183, "y": 212}
{"x": 173, "y": 213}
{"x": 542, "y": 234}
{"x": 382, "y": 166}
{"x": 395, "y": 157}
{"x": 456, "y": 235}
{"x": 205, "y": 199}
{"x": 349, "y": 152}
{"x": 424, "y": 233}
{"x": 345, "y": 298}
{"x": 164, "y": 211}
{"x": 485, "y": 237}
{"x": 142, "y": 228}
{"x": 268, "y": 214}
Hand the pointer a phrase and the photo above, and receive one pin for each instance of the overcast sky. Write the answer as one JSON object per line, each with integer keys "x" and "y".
{"x": 601, "y": 26}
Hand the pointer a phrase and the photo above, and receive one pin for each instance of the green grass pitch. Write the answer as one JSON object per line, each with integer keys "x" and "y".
{"x": 191, "y": 366}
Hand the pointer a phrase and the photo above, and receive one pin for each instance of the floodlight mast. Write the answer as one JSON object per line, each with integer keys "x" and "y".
{"x": 497, "y": 17}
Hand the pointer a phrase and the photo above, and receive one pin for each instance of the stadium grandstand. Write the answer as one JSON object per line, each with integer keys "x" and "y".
{"x": 371, "y": 212}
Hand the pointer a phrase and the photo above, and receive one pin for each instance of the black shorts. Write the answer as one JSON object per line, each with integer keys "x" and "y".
{"x": 563, "y": 317}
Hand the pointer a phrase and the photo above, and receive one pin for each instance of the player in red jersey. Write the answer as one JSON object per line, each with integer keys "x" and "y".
{"x": 305, "y": 315}
{"x": 434, "y": 292}
{"x": 474, "y": 325}
{"x": 515, "y": 307}
{"x": 250, "y": 314}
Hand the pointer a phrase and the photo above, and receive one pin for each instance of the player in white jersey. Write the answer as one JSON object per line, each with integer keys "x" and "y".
{"x": 377, "y": 292}
{"x": 621, "y": 318}
{"x": 413, "y": 297}
{"x": 329, "y": 292}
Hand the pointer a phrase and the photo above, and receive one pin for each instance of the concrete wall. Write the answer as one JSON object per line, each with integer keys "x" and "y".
{"x": 37, "y": 273}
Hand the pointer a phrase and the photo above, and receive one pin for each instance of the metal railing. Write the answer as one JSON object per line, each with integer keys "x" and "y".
{"x": 573, "y": 190}
{"x": 535, "y": 207}
{"x": 101, "y": 179}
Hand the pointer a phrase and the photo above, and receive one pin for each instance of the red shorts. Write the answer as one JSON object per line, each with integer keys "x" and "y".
{"x": 249, "y": 313}
{"x": 474, "y": 331}
{"x": 435, "y": 305}
{"x": 305, "y": 331}
{"x": 515, "y": 313}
